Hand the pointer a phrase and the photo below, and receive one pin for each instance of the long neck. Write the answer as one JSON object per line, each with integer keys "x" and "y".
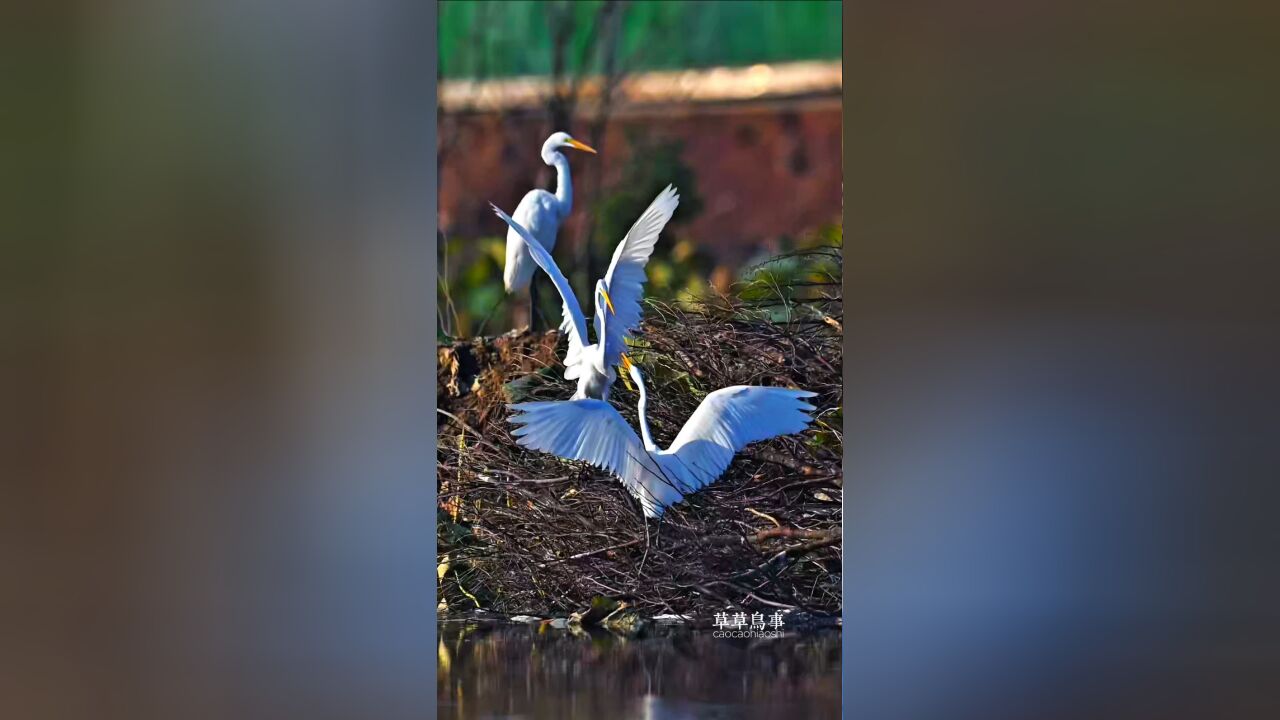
{"x": 602, "y": 332}
{"x": 564, "y": 185}
{"x": 644, "y": 419}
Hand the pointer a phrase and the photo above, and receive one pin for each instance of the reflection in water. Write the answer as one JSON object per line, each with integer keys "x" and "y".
{"x": 496, "y": 670}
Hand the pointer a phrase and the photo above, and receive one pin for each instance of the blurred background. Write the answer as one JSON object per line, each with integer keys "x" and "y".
{"x": 1062, "y": 445}
{"x": 736, "y": 103}
{"x": 218, "y": 329}
{"x": 217, "y": 343}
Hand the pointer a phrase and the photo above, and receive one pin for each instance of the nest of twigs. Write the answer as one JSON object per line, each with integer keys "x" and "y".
{"x": 523, "y": 532}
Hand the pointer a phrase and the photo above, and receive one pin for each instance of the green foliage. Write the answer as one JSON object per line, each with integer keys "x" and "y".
{"x": 676, "y": 267}
{"x": 809, "y": 270}
{"x": 470, "y": 284}
{"x": 652, "y": 167}
{"x": 483, "y": 39}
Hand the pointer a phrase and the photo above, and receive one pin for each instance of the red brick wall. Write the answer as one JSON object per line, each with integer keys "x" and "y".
{"x": 763, "y": 171}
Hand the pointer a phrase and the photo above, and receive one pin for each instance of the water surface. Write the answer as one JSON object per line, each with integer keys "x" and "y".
{"x": 501, "y": 670}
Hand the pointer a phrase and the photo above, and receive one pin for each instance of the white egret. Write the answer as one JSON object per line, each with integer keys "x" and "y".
{"x": 620, "y": 291}
{"x": 541, "y": 213}
{"x": 726, "y": 421}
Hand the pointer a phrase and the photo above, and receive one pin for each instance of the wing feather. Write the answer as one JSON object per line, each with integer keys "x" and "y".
{"x": 591, "y": 431}
{"x": 727, "y": 421}
{"x": 625, "y": 278}
{"x": 573, "y": 323}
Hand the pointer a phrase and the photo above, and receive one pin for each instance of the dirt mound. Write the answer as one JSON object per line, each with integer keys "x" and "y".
{"x": 526, "y": 532}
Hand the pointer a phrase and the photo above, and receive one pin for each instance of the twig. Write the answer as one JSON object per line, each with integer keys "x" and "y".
{"x": 770, "y": 518}
{"x": 589, "y": 553}
{"x": 460, "y": 422}
{"x": 770, "y": 603}
{"x": 791, "y": 552}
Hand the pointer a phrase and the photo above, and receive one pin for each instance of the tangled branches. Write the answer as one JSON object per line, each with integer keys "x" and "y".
{"x": 526, "y": 532}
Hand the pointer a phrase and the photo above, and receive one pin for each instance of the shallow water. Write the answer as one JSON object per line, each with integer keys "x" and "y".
{"x": 500, "y": 670}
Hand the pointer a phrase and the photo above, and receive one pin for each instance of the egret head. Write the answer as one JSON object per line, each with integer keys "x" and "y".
{"x": 632, "y": 371}
{"x": 561, "y": 140}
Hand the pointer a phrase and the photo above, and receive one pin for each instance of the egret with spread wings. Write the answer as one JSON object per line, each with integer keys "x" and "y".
{"x": 619, "y": 292}
{"x": 727, "y": 421}
{"x": 541, "y": 213}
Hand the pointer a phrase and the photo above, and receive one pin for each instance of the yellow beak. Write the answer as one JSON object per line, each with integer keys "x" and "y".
{"x": 607, "y": 301}
{"x": 580, "y": 146}
{"x": 626, "y": 375}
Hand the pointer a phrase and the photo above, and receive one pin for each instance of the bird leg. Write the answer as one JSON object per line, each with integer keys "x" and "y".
{"x": 534, "y": 316}
{"x": 520, "y": 317}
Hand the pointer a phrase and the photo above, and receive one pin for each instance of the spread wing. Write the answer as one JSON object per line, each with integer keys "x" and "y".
{"x": 625, "y": 277}
{"x": 574, "y": 324}
{"x": 727, "y": 421}
{"x": 591, "y": 431}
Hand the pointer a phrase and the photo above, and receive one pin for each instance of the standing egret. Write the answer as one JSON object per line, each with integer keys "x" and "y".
{"x": 726, "y": 421}
{"x": 620, "y": 291}
{"x": 541, "y": 213}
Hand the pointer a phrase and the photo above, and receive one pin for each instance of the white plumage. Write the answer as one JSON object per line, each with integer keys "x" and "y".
{"x": 616, "y": 298}
{"x": 624, "y": 281}
{"x": 541, "y": 213}
{"x": 726, "y": 421}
